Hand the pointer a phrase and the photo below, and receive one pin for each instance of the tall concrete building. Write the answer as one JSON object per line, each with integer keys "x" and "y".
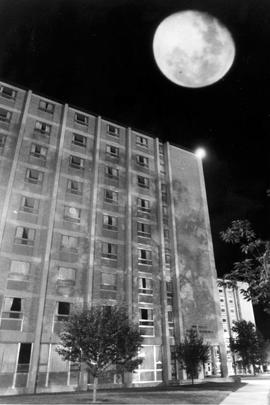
{"x": 233, "y": 307}
{"x": 93, "y": 211}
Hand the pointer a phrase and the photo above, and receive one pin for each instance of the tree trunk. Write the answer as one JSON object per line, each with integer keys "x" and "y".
{"x": 95, "y": 384}
{"x": 192, "y": 379}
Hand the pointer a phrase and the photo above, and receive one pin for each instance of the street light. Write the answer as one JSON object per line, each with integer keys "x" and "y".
{"x": 200, "y": 153}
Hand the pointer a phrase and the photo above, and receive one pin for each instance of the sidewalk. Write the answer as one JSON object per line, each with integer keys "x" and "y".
{"x": 256, "y": 392}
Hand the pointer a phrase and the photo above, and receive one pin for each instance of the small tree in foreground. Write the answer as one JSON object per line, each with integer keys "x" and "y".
{"x": 248, "y": 345}
{"x": 254, "y": 265}
{"x": 101, "y": 337}
{"x": 192, "y": 352}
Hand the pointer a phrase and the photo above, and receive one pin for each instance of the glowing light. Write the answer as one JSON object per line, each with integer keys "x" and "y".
{"x": 200, "y": 153}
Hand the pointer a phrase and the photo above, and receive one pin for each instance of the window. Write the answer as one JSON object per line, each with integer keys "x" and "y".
{"x": 74, "y": 187}
{"x": 167, "y": 256}
{"x": 69, "y": 243}
{"x": 19, "y": 270}
{"x": 29, "y": 204}
{"x": 24, "y": 236}
{"x": 42, "y": 127}
{"x": 141, "y": 141}
{"x": 34, "y": 176}
{"x": 143, "y": 230}
{"x": 112, "y": 130}
{"x": 81, "y": 119}
{"x": 109, "y": 251}
{"x": 12, "y": 307}
{"x": 110, "y": 196}
{"x": 145, "y": 257}
{"x": 146, "y": 323}
{"x": 5, "y": 115}
{"x": 221, "y": 300}
{"x": 145, "y": 286}
{"x": 2, "y": 140}
{"x": 63, "y": 311}
{"x": 77, "y": 162}
{"x": 12, "y": 316}
{"x": 143, "y": 205}
{"x": 79, "y": 140}
{"x": 142, "y": 161}
{"x": 110, "y": 222}
{"x": 24, "y": 358}
{"x": 108, "y": 282}
{"x": 66, "y": 274}
{"x": 7, "y": 92}
{"x": 111, "y": 172}
{"x": 164, "y": 193}
{"x": 46, "y": 106}
{"x": 38, "y": 151}
{"x": 112, "y": 151}
{"x": 166, "y": 233}
{"x": 165, "y": 211}
{"x": 161, "y": 149}
{"x": 169, "y": 288}
{"x": 72, "y": 214}
{"x": 143, "y": 182}
{"x": 171, "y": 323}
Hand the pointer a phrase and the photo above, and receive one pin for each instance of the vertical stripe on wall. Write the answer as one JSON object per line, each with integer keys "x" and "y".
{"x": 45, "y": 270}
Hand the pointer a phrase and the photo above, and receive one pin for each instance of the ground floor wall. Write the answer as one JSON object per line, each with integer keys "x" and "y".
{"x": 54, "y": 374}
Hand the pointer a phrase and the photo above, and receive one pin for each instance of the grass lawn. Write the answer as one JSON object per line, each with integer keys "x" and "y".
{"x": 206, "y": 393}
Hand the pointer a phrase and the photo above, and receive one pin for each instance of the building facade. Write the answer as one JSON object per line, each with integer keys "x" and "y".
{"x": 92, "y": 211}
{"x": 233, "y": 307}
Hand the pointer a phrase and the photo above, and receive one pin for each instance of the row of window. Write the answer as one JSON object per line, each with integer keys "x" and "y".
{"x": 31, "y": 205}
{"x": 12, "y": 312}
{"x": 79, "y": 118}
{"x": 26, "y": 236}
{"x": 35, "y": 176}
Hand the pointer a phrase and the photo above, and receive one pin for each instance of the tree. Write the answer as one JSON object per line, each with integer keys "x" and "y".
{"x": 254, "y": 266}
{"x": 192, "y": 352}
{"x": 101, "y": 337}
{"x": 247, "y": 344}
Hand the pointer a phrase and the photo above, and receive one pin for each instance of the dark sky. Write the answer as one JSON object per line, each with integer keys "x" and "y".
{"x": 97, "y": 55}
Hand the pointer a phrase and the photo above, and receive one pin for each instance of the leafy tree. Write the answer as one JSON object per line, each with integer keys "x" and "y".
{"x": 101, "y": 337}
{"x": 192, "y": 352}
{"x": 254, "y": 266}
{"x": 247, "y": 344}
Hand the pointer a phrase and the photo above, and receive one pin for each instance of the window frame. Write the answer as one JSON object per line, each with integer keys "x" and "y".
{"x": 144, "y": 143}
{"x": 27, "y": 238}
{"x": 74, "y": 165}
{"x": 141, "y": 231}
{"x": 76, "y": 191}
{"x": 110, "y": 200}
{"x": 111, "y": 251}
{"x": 43, "y": 128}
{"x": 143, "y": 184}
{"x": 46, "y": 107}
{"x": 6, "y": 95}
{"x": 84, "y": 121}
{"x": 147, "y": 260}
{"x": 79, "y": 143}
{"x": 110, "y": 226}
{"x": 113, "y": 130}
{"x": 33, "y": 180}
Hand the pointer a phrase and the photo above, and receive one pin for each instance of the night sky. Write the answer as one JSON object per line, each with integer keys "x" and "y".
{"x": 97, "y": 55}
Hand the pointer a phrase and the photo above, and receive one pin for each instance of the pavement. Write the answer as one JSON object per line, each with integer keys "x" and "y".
{"x": 255, "y": 392}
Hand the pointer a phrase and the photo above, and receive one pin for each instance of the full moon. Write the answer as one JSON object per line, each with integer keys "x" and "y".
{"x": 193, "y": 49}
